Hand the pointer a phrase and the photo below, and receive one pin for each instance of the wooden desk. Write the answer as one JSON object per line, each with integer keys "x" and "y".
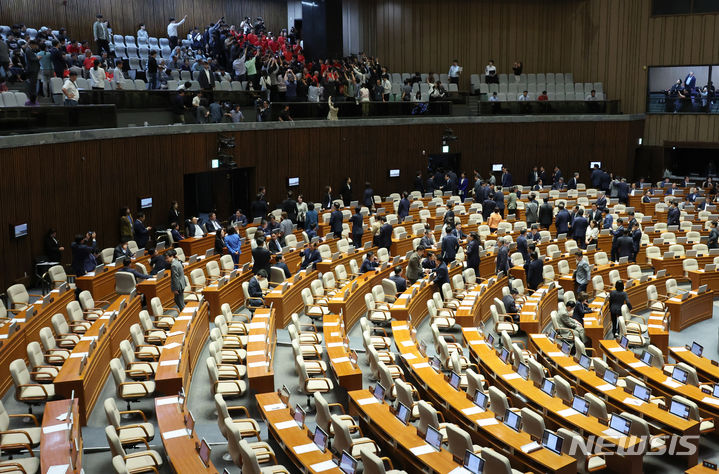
{"x": 181, "y": 450}
{"x": 524, "y": 392}
{"x": 289, "y": 300}
{"x": 699, "y": 469}
{"x": 329, "y": 265}
{"x": 260, "y": 348}
{"x": 160, "y": 287}
{"x": 475, "y": 310}
{"x": 57, "y": 448}
{"x": 87, "y": 382}
{"x": 402, "y": 246}
{"x": 588, "y": 381}
{"x": 230, "y": 293}
{"x": 694, "y": 309}
{"x": 412, "y": 303}
{"x": 102, "y": 285}
{"x": 700, "y": 277}
{"x": 536, "y": 312}
{"x": 459, "y": 409}
{"x": 660, "y": 382}
{"x": 395, "y": 438}
{"x": 182, "y": 349}
{"x": 290, "y": 436}
{"x": 675, "y": 266}
{"x": 567, "y": 281}
{"x": 197, "y": 245}
{"x": 348, "y": 375}
{"x": 15, "y": 346}
{"x": 707, "y": 370}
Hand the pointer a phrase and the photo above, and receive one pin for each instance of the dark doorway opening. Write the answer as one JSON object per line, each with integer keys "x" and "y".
{"x": 220, "y": 191}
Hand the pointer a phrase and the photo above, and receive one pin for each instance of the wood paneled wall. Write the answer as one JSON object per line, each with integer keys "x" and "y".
{"x": 80, "y": 186}
{"x": 609, "y": 41}
{"x": 125, "y": 16}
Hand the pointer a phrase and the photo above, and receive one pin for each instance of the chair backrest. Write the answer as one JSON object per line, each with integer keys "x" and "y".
{"x": 227, "y": 263}
{"x": 532, "y": 423}
{"x": 458, "y": 441}
{"x": 57, "y": 275}
{"x": 59, "y": 324}
{"x": 197, "y": 277}
{"x": 112, "y": 413}
{"x": 118, "y": 373}
{"x": 17, "y": 296}
{"x": 34, "y": 354}
{"x": 470, "y": 277}
{"x": 128, "y": 356}
{"x": 498, "y": 403}
{"x": 548, "y": 273}
{"x": 47, "y": 339}
{"x": 388, "y": 286}
{"x": 614, "y": 277}
{"x": 657, "y": 356}
{"x": 372, "y": 463}
{"x": 690, "y": 265}
{"x": 597, "y": 407}
{"x": 114, "y": 441}
{"x": 323, "y": 415}
{"x": 250, "y": 464}
{"x": 342, "y": 439}
{"x": 74, "y": 311}
{"x": 600, "y": 258}
{"x": 124, "y": 283}
{"x": 495, "y": 462}
{"x": 427, "y": 416}
{"x": 563, "y": 267}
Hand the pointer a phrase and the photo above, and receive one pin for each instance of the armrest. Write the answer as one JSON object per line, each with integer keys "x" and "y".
{"x": 25, "y": 415}
{"x": 141, "y": 454}
{"x": 16, "y": 446}
{"x": 39, "y": 376}
{"x": 36, "y": 385}
{"x": 136, "y": 383}
{"x": 387, "y": 461}
{"x": 20, "y": 432}
{"x": 137, "y": 412}
{"x": 239, "y": 408}
{"x": 128, "y": 427}
{"x": 440, "y": 416}
{"x": 231, "y": 367}
{"x": 342, "y": 409}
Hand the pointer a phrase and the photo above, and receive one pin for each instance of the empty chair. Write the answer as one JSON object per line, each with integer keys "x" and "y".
{"x": 323, "y": 416}
{"x": 225, "y": 387}
{"x": 634, "y": 272}
{"x": 309, "y": 385}
{"x": 706, "y": 425}
{"x": 428, "y": 416}
{"x": 548, "y": 274}
{"x": 53, "y": 354}
{"x": 129, "y": 390}
{"x": 58, "y": 276}
{"x": 25, "y": 390}
{"x": 459, "y": 442}
{"x": 634, "y": 339}
{"x": 503, "y": 323}
{"x": 76, "y": 316}
{"x": 250, "y": 463}
{"x": 563, "y": 267}
{"x": 247, "y": 426}
{"x": 135, "y": 368}
{"x": 64, "y": 337}
{"x": 640, "y": 428}
{"x": 131, "y": 434}
{"x": 690, "y": 265}
{"x": 152, "y": 334}
{"x": 313, "y": 310}
{"x": 124, "y": 283}
{"x": 653, "y": 300}
{"x": 532, "y": 423}
{"x": 139, "y": 461}
{"x": 373, "y": 464}
{"x": 18, "y": 298}
{"x": 495, "y": 462}
{"x": 574, "y": 445}
{"x": 41, "y": 372}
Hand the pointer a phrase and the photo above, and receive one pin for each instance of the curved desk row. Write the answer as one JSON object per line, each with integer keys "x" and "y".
{"x": 707, "y": 369}
{"x": 159, "y": 285}
{"x": 412, "y": 304}
{"x": 261, "y": 342}
{"x": 286, "y": 298}
{"x": 347, "y": 373}
{"x": 58, "y": 448}
{"x": 102, "y": 284}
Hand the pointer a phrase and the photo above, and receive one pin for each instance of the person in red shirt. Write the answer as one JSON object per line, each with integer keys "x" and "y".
{"x": 543, "y": 96}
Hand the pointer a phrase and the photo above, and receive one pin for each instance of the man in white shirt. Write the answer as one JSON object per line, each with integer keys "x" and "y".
{"x": 194, "y": 229}
{"x": 490, "y": 73}
{"x": 454, "y": 71}
{"x": 172, "y": 31}
{"x": 524, "y": 97}
{"x": 69, "y": 89}
{"x": 212, "y": 224}
{"x": 117, "y": 75}
{"x": 592, "y": 96}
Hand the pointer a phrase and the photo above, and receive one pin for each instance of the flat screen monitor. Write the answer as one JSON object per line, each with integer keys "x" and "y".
{"x": 667, "y": 92}
{"x": 394, "y": 173}
{"x": 145, "y": 203}
{"x": 697, "y": 349}
{"x": 18, "y": 230}
{"x": 190, "y": 423}
{"x": 552, "y": 335}
{"x": 454, "y": 380}
{"x": 715, "y": 392}
{"x": 610, "y": 377}
{"x": 473, "y": 463}
{"x": 480, "y": 399}
{"x": 403, "y": 413}
{"x": 379, "y": 392}
{"x": 646, "y": 358}
{"x": 504, "y": 355}
{"x": 497, "y": 167}
{"x": 293, "y": 182}
{"x": 490, "y": 339}
{"x": 320, "y": 439}
{"x": 642, "y": 392}
{"x": 552, "y": 442}
{"x": 679, "y": 409}
{"x": 204, "y": 452}
{"x": 585, "y": 361}
{"x": 548, "y": 387}
{"x": 299, "y": 416}
{"x": 580, "y": 404}
{"x": 624, "y": 342}
{"x": 679, "y": 375}
{"x": 523, "y": 370}
{"x": 620, "y": 424}
{"x": 592, "y": 164}
{"x": 433, "y": 437}
{"x": 348, "y": 464}
{"x": 435, "y": 363}
{"x": 512, "y": 420}
{"x": 566, "y": 348}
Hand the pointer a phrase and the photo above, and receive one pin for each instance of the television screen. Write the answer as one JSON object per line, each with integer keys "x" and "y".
{"x": 680, "y": 89}
{"x": 497, "y": 167}
{"x": 592, "y": 164}
{"x": 394, "y": 173}
{"x": 145, "y": 203}
{"x": 19, "y": 230}
{"x": 291, "y": 182}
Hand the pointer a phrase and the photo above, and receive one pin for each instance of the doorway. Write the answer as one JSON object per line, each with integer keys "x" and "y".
{"x": 220, "y": 191}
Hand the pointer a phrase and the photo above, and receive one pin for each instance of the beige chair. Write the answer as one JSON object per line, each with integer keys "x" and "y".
{"x": 532, "y": 423}
{"x": 232, "y": 433}
{"x": 163, "y": 317}
{"x": 654, "y": 301}
{"x": 690, "y": 265}
{"x": 130, "y": 390}
{"x": 309, "y": 348}
{"x": 247, "y": 426}
{"x": 28, "y": 465}
{"x": 378, "y": 342}
{"x": 441, "y": 319}
{"x": 90, "y": 306}
{"x": 134, "y": 368}
{"x": 312, "y": 309}
{"x": 213, "y": 271}
{"x": 250, "y": 464}
{"x": 574, "y": 445}
{"x": 634, "y": 272}
{"x": 496, "y": 463}
{"x": 26, "y": 391}
{"x": 106, "y": 255}
{"x": 18, "y": 298}
{"x": 563, "y": 267}
{"x": 248, "y": 299}
{"x": 139, "y": 461}
{"x": 152, "y": 334}
{"x": 640, "y": 428}
{"x": 309, "y": 385}
{"x": 341, "y": 274}
{"x": 373, "y": 464}
{"x": 406, "y": 395}
{"x": 132, "y": 434}
{"x": 229, "y": 388}
{"x": 230, "y": 339}
{"x": 229, "y": 355}
{"x": 324, "y": 415}
{"x": 226, "y": 370}
{"x": 238, "y": 328}
{"x": 459, "y": 441}
{"x": 18, "y": 439}
{"x": 198, "y": 281}
{"x": 598, "y": 287}
{"x": 706, "y": 425}
{"x": 428, "y": 416}
{"x": 53, "y": 354}
{"x": 63, "y": 336}
{"x": 77, "y": 317}
{"x": 41, "y": 373}
{"x": 124, "y": 283}
{"x": 634, "y": 322}
{"x": 143, "y": 350}
{"x": 505, "y": 323}
{"x": 58, "y": 276}
{"x": 498, "y": 402}
{"x": 311, "y": 336}
{"x": 597, "y": 407}
{"x": 227, "y": 264}
{"x": 377, "y": 316}
{"x": 313, "y": 366}
{"x": 343, "y": 441}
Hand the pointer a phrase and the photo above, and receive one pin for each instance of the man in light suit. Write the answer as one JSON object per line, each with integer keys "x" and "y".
{"x": 194, "y": 229}
{"x": 206, "y": 78}
{"x": 177, "y": 278}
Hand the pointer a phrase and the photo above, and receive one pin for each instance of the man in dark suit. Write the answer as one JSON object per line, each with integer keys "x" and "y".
{"x": 311, "y": 256}
{"x": 368, "y": 196}
{"x": 81, "y": 253}
{"x": 579, "y": 229}
{"x": 533, "y": 177}
{"x": 177, "y": 278}
{"x": 673, "y": 214}
{"x": 327, "y": 199}
{"x": 357, "y": 224}
{"x": 274, "y": 245}
{"x": 213, "y": 225}
{"x": 259, "y": 207}
{"x": 572, "y": 183}
{"x": 506, "y": 178}
{"x": 545, "y": 215}
{"x": 157, "y": 261}
{"x": 385, "y": 234}
{"x": 194, "y": 228}
{"x": 441, "y": 274}
{"x": 369, "y": 263}
{"x": 616, "y": 234}
{"x": 53, "y": 250}
{"x": 596, "y": 177}
{"x": 449, "y": 215}
{"x": 205, "y": 77}
{"x": 142, "y": 233}
{"x": 399, "y": 282}
{"x": 254, "y": 288}
{"x": 346, "y": 191}
{"x": 261, "y": 257}
{"x": 127, "y": 269}
{"x": 625, "y": 246}
{"x": 448, "y": 185}
{"x": 121, "y": 251}
{"x": 534, "y": 269}
{"x": 336, "y": 221}
{"x": 499, "y": 200}
{"x": 623, "y": 191}
{"x": 450, "y": 245}
{"x": 607, "y": 219}
{"x": 594, "y": 214}
{"x": 510, "y": 304}
{"x": 562, "y": 220}
{"x": 403, "y": 207}
{"x": 690, "y": 82}
{"x": 418, "y": 182}
{"x": 279, "y": 263}
{"x": 556, "y": 175}
{"x": 601, "y": 201}
{"x": 488, "y": 206}
{"x": 289, "y": 206}
{"x": 522, "y": 245}
{"x": 502, "y": 257}
{"x": 713, "y": 242}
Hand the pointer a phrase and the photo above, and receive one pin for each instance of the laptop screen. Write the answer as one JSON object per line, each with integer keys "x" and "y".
{"x": 504, "y": 355}
{"x": 581, "y": 405}
{"x": 566, "y": 347}
{"x": 642, "y": 392}
{"x": 511, "y": 419}
{"x": 348, "y": 464}
{"x": 403, "y": 413}
{"x": 435, "y": 363}
{"x": 552, "y": 442}
{"x": 697, "y": 349}
{"x": 611, "y": 377}
{"x": 320, "y": 439}
{"x": 490, "y": 339}
{"x": 454, "y": 380}
{"x": 679, "y": 375}
{"x": 523, "y": 370}
{"x": 379, "y": 392}
{"x": 473, "y": 463}
{"x": 552, "y": 335}
{"x": 679, "y": 409}
{"x": 480, "y": 399}
{"x": 548, "y": 387}
{"x": 585, "y": 361}
{"x": 715, "y": 392}
{"x": 646, "y": 358}
{"x": 624, "y": 342}
{"x": 205, "y": 453}
{"x": 620, "y": 424}
{"x": 433, "y": 438}
{"x": 299, "y": 416}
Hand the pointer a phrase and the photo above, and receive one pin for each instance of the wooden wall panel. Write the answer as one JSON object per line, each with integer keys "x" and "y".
{"x": 80, "y": 186}
{"x": 125, "y": 16}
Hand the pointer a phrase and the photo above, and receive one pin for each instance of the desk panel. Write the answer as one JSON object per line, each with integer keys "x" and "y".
{"x": 57, "y": 448}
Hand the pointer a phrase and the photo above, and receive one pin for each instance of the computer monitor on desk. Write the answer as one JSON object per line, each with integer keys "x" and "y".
{"x": 204, "y": 451}
{"x": 348, "y": 464}
{"x": 433, "y": 437}
{"x": 473, "y": 463}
